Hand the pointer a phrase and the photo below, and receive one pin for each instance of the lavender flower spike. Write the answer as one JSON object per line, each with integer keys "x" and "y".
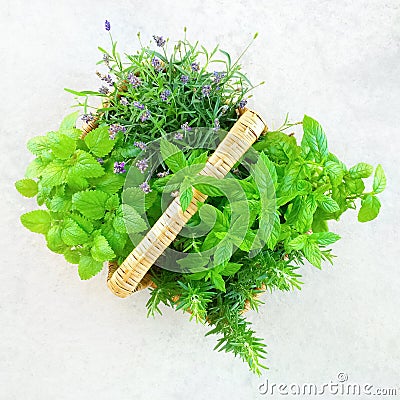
{"x": 159, "y": 40}
{"x": 140, "y": 145}
{"x": 107, "y": 25}
{"x": 134, "y": 80}
{"x": 186, "y": 127}
{"x": 145, "y": 187}
{"x": 145, "y": 116}
{"x": 142, "y": 165}
{"x": 184, "y": 79}
{"x": 165, "y": 94}
{"x": 119, "y": 167}
{"x": 205, "y": 90}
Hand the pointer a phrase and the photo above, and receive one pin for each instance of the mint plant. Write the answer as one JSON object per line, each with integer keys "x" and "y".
{"x": 89, "y": 217}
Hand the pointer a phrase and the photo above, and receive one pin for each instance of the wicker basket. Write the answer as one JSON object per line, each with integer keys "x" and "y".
{"x": 132, "y": 275}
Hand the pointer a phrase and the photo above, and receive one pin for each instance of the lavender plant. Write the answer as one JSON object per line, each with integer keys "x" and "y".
{"x": 79, "y": 182}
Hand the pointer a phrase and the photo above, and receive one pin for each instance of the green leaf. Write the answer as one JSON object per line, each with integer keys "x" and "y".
{"x": 324, "y": 238}
{"x": 298, "y": 242}
{"x": 72, "y": 234}
{"x": 98, "y": 141}
{"x": 38, "y": 145}
{"x": 319, "y": 224}
{"x": 55, "y": 173}
{"x": 35, "y": 168}
{"x": 370, "y": 206}
{"x": 185, "y": 198}
{"x": 135, "y": 198}
{"x": 172, "y": 156}
{"x": 38, "y": 221}
{"x": 88, "y": 267}
{"x": 313, "y": 254}
{"x": 379, "y": 180}
{"x": 91, "y": 203}
{"x": 61, "y": 145}
{"x": 27, "y": 187}
{"x": 112, "y": 202}
{"x": 84, "y": 223}
{"x": 54, "y": 240}
{"x": 223, "y": 252}
{"x": 361, "y": 170}
{"x": 314, "y": 138}
{"x": 109, "y": 183}
{"x": 218, "y": 281}
{"x": 230, "y": 269}
{"x": 208, "y": 187}
{"x": 354, "y": 185}
{"x": 275, "y": 232}
{"x": 101, "y": 250}
{"x": 60, "y": 204}
{"x": 270, "y": 166}
{"x": 85, "y": 165}
{"x": 69, "y": 121}
{"x": 72, "y": 256}
{"x": 335, "y": 172}
{"x": 327, "y": 204}
{"x": 133, "y": 221}
{"x": 117, "y": 240}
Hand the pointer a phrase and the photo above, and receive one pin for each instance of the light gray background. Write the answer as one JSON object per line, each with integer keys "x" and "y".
{"x": 61, "y": 338}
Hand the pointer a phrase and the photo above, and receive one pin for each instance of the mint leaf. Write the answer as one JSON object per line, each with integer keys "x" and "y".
{"x": 91, "y": 203}
{"x": 88, "y": 267}
{"x": 69, "y": 121}
{"x": 185, "y": 198}
{"x": 379, "y": 180}
{"x": 314, "y": 138}
{"x": 27, "y": 187}
{"x": 270, "y": 166}
{"x": 172, "y": 156}
{"x": 218, "y": 281}
{"x": 275, "y": 232}
{"x": 61, "y": 145}
{"x": 134, "y": 223}
{"x": 223, "y": 252}
{"x": 38, "y": 145}
{"x": 98, "y": 141}
{"x": 230, "y": 269}
{"x": 361, "y": 170}
{"x": 312, "y": 253}
{"x": 72, "y": 234}
{"x": 327, "y": 204}
{"x": 101, "y": 250}
{"x": 298, "y": 242}
{"x": 370, "y": 206}
{"x": 324, "y": 238}
{"x": 335, "y": 172}
{"x": 85, "y": 165}
{"x": 38, "y": 221}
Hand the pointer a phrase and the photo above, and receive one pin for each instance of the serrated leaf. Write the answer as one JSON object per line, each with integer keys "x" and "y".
{"x": 85, "y": 165}
{"x": 270, "y": 166}
{"x": 98, "y": 141}
{"x": 35, "y": 168}
{"x": 313, "y": 254}
{"x": 55, "y": 174}
{"x": 54, "y": 240}
{"x": 112, "y": 202}
{"x": 230, "y": 269}
{"x": 27, "y": 187}
{"x": 354, "y": 185}
{"x": 101, "y": 250}
{"x": 72, "y": 234}
{"x": 135, "y": 198}
{"x": 88, "y": 267}
{"x": 361, "y": 170}
{"x": 314, "y": 138}
{"x": 38, "y": 221}
{"x": 109, "y": 183}
{"x": 37, "y": 145}
{"x": 298, "y": 242}
{"x": 328, "y": 204}
{"x": 335, "y": 172}
{"x": 84, "y": 223}
{"x": 218, "y": 281}
{"x": 91, "y": 203}
{"x": 379, "y": 180}
{"x": 60, "y": 204}
{"x": 69, "y": 121}
{"x": 61, "y": 145}
{"x": 72, "y": 256}
{"x": 134, "y": 223}
{"x": 275, "y": 232}
{"x": 117, "y": 240}
{"x": 324, "y": 238}
{"x": 185, "y": 198}
{"x": 370, "y": 206}
{"x": 172, "y": 156}
{"x": 223, "y": 252}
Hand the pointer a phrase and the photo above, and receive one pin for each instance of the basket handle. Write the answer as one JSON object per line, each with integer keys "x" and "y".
{"x": 127, "y": 278}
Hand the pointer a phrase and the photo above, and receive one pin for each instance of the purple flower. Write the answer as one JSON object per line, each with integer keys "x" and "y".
{"x": 218, "y": 76}
{"x": 104, "y": 90}
{"x": 205, "y": 90}
{"x": 119, "y": 167}
{"x": 138, "y": 105}
{"x": 108, "y": 79}
{"x": 124, "y": 101}
{"x": 134, "y": 80}
{"x": 142, "y": 165}
{"x": 106, "y": 60}
{"x": 184, "y": 79}
{"x": 100, "y": 160}
{"x": 242, "y": 103}
{"x": 140, "y": 145}
{"x": 216, "y": 125}
{"x": 165, "y": 94}
{"x": 114, "y": 129}
{"x": 145, "y": 187}
{"x": 186, "y": 127}
{"x": 178, "y": 136}
{"x": 159, "y": 40}
{"x": 156, "y": 63}
{"x": 107, "y": 25}
{"x": 195, "y": 66}
{"x": 145, "y": 116}
{"x": 224, "y": 109}
{"x": 162, "y": 174}
{"x": 87, "y": 117}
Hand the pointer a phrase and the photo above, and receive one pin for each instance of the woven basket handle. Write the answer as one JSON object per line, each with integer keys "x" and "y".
{"x": 127, "y": 278}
